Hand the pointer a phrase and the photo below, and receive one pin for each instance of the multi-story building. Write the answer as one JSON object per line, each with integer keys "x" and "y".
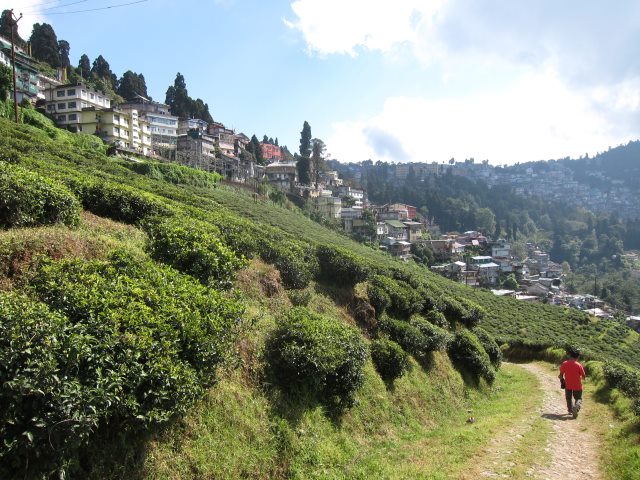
{"x": 282, "y": 175}
{"x": 225, "y": 137}
{"x": 66, "y": 103}
{"x": 163, "y": 127}
{"x": 197, "y": 150}
{"x": 271, "y": 152}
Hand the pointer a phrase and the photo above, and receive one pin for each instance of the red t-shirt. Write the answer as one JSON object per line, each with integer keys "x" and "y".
{"x": 573, "y": 374}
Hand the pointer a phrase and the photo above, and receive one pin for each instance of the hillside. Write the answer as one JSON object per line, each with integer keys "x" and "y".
{"x": 136, "y": 296}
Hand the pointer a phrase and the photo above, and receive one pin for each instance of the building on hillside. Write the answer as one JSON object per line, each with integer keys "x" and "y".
{"x": 163, "y": 126}
{"x": 196, "y": 149}
{"x": 270, "y": 152}
{"x": 240, "y": 143}
{"x": 66, "y": 103}
{"x": 414, "y": 230}
{"x": 345, "y": 191}
{"x": 329, "y": 207}
{"x": 186, "y": 125}
{"x": 397, "y": 230}
{"x": 224, "y": 137}
{"x": 282, "y": 175}
{"x": 501, "y": 248}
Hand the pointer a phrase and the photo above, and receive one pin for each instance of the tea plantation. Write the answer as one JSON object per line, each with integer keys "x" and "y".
{"x": 120, "y": 307}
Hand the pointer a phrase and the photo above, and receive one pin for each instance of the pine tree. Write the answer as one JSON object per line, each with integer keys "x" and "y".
{"x": 305, "y": 140}
{"x": 63, "y": 53}
{"x": 44, "y": 44}
{"x": 84, "y": 67}
{"x": 131, "y": 85}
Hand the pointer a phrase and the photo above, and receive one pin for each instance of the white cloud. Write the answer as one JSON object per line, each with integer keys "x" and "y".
{"x": 538, "y": 117}
{"x": 343, "y": 26}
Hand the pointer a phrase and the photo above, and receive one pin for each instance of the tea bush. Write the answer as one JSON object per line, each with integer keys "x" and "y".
{"x": 338, "y": 265}
{"x": 389, "y": 358}
{"x": 404, "y": 300}
{"x": 193, "y": 248}
{"x": 176, "y": 174}
{"x": 318, "y": 353}
{"x": 627, "y": 380}
{"x": 46, "y": 409}
{"x": 28, "y": 199}
{"x": 438, "y": 337}
{"x": 466, "y": 350}
{"x": 409, "y": 337}
{"x": 378, "y": 298}
{"x": 490, "y": 346}
{"x": 117, "y": 202}
{"x": 437, "y": 318}
{"x": 297, "y": 264}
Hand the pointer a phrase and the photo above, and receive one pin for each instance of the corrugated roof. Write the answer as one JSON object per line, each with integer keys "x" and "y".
{"x": 395, "y": 223}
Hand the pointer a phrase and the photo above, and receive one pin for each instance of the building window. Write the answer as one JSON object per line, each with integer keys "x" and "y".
{"x": 73, "y": 116}
{"x": 116, "y": 130}
{"x": 71, "y": 92}
{"x": 60, "y": 93}
{"x": 85, "y": 104}
{"x": 62, "y": 106}
{"x": 62, "y": 118}
{"x": 92, "y": 96}
{"x": 50, "y": 107}
{"x": 84, "y": 93}
{"x": 72, "y": 105}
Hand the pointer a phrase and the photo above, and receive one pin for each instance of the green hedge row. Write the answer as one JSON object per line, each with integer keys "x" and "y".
{"x": 390, "y": 360}
{"x": 417, "y": 337}
{"x": 193, "y": 248}
{"x": 627, "y": 380}
{"x": 123, "y": 340}
{"x": 296, "y": 261}
{"x": 176, "y": 174}
{"x": 467, "y": 351}
{"x": 28, "y": 199}
{"x": 490, "y": 346}
{"x": 318, "y": 353}
{"x": 340, "y": 266}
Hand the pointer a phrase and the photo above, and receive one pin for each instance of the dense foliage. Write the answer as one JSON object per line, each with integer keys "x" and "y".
{"x": 627, "y": 380}
{"x": 112, "y": 341}
{"x": 389, "y": 358}
{"x": 468, "y": 352}
{"x": 318, "y": 353}
{"x": 28, "y": 199}
{"x": 194, "y": 248}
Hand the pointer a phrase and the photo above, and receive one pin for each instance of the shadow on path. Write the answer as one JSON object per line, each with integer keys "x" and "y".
{"x": 557, "y": 416}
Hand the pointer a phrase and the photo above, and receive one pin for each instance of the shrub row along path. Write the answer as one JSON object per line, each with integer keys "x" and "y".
{"x": 572, "y": 449}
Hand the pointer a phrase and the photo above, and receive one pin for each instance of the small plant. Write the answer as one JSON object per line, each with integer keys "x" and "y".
{"x": 467, "y": 351}
{"x": 28, "y": 199}
{"x": 490, "y": 346}
{"x": 389, "y": 358}
{"x": 319, "y": 353}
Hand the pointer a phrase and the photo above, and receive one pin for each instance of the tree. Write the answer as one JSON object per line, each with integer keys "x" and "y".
{"x": 265, "y": 139}
{"x": 63, "y": 53}
{"x": 305, "y": 140}
{"x": 84, "y": 67}
{"x": 6, "y": 24}
{"x": 6, "y": 81}
{"x": 317, "y": 159}
{"x": 254, "y": 147}
{"x": 131, "y": 85}
{"x": 101, "y": 70}
{"x": 44, "y": 44}
{"x": 485, "y": 221}
{"x": 182, "y": 105}
{"x": 510, "y": 282}
{"x": 304, "y": 170}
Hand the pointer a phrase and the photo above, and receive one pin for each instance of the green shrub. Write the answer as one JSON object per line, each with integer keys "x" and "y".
{"x": 46, "y": 410}
{"x": 193, "y": 248}
{"x": 467, "y": 351}
{"x": 318, "y": 353}
{"x": 404, "y": 300}
{"x": 389, "y": 358}
{"x": 410, "y": 337}
{"x": 339, "y": 266}
{"x": 627, "y": 380}
{"x": 463, "y": 311}
{"x": 437, "y": 337}
{"x": 490, "y": 346}
{"x": 297, "y": 264}
{"x": 159, "y": 335}
{"x": 28, "y": 199}
{"x": 176, "y": 174}
{"x": 117, "y": 202}
{"x": 378, "y": 298}
{"x": 437, "y": 318}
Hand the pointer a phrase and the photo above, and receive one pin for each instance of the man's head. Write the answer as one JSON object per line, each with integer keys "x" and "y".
{"x": 573, "y": 352}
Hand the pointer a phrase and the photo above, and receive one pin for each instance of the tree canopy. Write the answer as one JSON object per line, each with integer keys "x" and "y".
{"x": 182, "y": 105}
{"x": 44, "y": 44}
{"x": 305, "y": 140}
{"x": 6, "y": 23}
{"x": 131, "y": 85}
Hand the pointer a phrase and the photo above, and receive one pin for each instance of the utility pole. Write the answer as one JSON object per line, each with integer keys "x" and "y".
{"x": 14, "y": 24}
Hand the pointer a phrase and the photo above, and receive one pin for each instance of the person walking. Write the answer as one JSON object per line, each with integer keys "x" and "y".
{"x": 571, "y": 376}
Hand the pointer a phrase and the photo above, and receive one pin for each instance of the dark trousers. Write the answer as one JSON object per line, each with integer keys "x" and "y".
{"x": 577, "y": 394}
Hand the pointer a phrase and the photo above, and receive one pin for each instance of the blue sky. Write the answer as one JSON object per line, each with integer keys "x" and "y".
{"x": 409, "y": 80}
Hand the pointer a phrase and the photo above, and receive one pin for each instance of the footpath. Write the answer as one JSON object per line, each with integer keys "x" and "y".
{"x": 571, "y": 450}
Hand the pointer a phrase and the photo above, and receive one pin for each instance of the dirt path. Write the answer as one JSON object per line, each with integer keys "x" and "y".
{"x": 572, "y": 448}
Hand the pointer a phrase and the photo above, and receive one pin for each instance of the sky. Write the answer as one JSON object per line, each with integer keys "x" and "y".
{"x": 409, "y": 80}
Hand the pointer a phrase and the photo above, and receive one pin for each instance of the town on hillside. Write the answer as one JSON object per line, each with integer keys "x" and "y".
{"x": 140, "y": 126}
